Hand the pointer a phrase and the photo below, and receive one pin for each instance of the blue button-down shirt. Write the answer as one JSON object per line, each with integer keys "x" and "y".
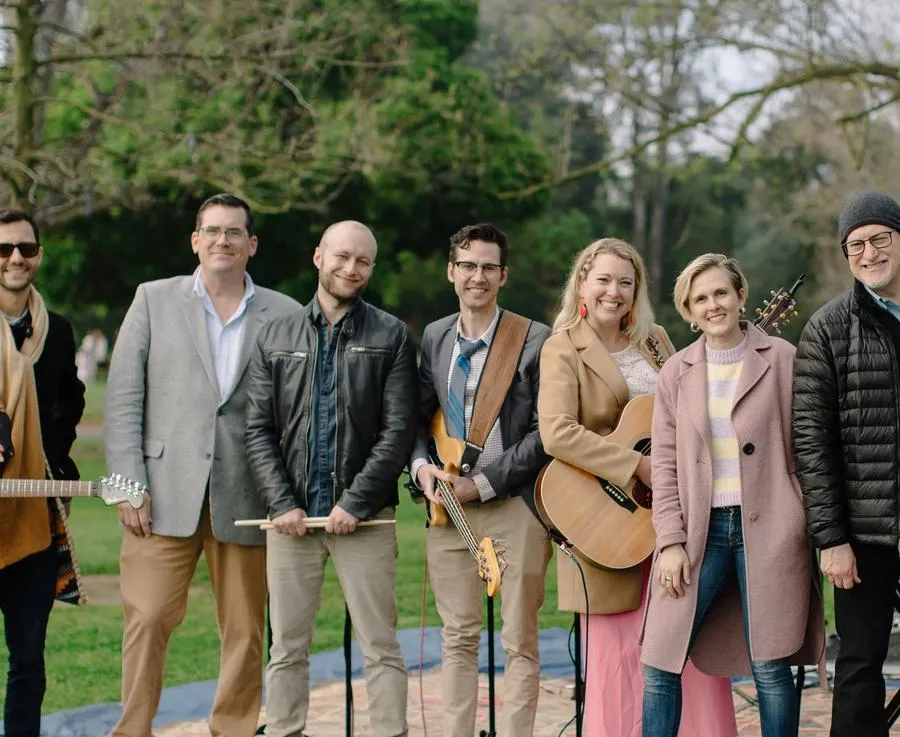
{"x": 321, "y": 493}
{"x": 885, "y": 303}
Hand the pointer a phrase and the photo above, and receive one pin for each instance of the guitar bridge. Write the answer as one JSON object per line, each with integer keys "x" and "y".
{"x": 618, "y": 496}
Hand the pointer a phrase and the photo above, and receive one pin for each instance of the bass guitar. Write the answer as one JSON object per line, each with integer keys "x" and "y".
{"x": 611, "y": 525}
{"x": 446, "y": 453}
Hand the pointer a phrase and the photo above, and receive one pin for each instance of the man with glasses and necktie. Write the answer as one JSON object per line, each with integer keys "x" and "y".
{"x": 847, "y": 452}
{"x": 175, "y": 409}
{"x": 34, "y": 567}
{"x": 455, "y": 351}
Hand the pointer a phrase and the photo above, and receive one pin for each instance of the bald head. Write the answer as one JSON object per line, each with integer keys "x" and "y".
{"x": 345, "y": 258}
{"x": 349, "y": 233}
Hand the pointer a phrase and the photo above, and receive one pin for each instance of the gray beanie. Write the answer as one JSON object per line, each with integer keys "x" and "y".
{"x": 869, "y": 208}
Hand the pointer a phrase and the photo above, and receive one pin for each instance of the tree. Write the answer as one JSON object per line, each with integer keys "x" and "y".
{"x": 107, "y": 99}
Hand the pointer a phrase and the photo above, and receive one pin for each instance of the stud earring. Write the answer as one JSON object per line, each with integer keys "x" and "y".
{"x": 695, "y": 328}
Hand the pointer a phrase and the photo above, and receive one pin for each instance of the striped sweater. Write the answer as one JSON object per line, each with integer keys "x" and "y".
{"x": 723, "y": 369}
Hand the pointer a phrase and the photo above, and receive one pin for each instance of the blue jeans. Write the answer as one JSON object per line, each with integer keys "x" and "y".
{"x": 774, "y": 683}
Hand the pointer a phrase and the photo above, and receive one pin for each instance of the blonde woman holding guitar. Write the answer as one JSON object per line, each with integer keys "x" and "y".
{"x": 604, "y": 352}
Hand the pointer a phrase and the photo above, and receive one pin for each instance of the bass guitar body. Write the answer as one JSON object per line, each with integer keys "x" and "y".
{"x": 608, "y": 525}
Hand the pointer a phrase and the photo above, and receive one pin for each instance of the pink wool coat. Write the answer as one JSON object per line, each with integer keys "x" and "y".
{"x": 785, "y": 603}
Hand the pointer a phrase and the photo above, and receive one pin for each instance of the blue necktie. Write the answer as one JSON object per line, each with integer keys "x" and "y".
{"x": 456, "y": 404}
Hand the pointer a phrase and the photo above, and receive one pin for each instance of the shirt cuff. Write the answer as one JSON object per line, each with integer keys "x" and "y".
{"x": 414, "y": 470}
{"x": 485, "y": 490}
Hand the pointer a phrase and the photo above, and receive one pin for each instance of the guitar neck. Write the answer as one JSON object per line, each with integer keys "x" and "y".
{"x": 456, "y": 513}
{"x": 46, "y": 488}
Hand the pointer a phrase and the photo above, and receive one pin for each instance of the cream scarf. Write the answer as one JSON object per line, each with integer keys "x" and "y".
{"x": 24, "y": 523}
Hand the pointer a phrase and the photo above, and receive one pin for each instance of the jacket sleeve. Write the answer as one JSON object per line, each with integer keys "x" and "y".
{"x": 261, "y": 436}
{"x": 817, "y": 442}
{"x": 561, "y": 431}
{"x": 668, "y": 520}
{"x": 521, "y": 461}
{"x": 376, "y": 482}
{"x": 123, "y": 425}
{"x": 67, "y": 410}
{"x": 428, "y": 401}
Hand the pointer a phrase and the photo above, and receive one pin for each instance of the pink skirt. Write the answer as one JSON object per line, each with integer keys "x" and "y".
{"x": 615, "y": 686}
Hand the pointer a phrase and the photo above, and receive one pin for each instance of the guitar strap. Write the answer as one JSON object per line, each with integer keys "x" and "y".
{"x": 496, "y": 379}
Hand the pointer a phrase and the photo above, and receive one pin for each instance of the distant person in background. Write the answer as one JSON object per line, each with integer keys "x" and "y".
{"x": 35, "y": 559}
{"x": 175, "y": 404}
{"x": 91, "y": 354}
{"x": 846, "y": 443}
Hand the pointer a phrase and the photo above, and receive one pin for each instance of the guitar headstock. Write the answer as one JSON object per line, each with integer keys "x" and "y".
{"x": 778, "y": 310}
{"x": 490, "y": 565}
{"x": 115, "y": 489}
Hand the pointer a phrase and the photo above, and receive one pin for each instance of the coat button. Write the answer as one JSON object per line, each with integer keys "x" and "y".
{"x": 749, "y": 448}
{"x": 753, "y": 516}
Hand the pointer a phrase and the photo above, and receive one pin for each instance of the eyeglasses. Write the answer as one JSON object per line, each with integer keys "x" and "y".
{"x": 213, "y": 232}
{"x": 470, "y": 267}
{"x": 28, "y": 249}
{"x": 879, "y": 240}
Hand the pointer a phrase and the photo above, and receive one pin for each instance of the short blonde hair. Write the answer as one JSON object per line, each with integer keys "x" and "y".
{"x": 707, "y": 261}
{"x": 636, "y": 329}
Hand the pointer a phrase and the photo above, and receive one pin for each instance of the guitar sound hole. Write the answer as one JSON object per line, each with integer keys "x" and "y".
{"x": 642, "y": 495}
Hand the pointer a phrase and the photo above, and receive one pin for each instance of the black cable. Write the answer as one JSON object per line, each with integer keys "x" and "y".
{"x": 580, "y": 699}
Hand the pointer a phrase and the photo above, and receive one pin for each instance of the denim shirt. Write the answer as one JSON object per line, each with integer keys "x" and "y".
{"x": 320, "y": 487}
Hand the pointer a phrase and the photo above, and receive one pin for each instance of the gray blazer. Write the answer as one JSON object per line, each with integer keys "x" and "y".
{"x": 515, "y": 471}
{"x": 166, "y": 425}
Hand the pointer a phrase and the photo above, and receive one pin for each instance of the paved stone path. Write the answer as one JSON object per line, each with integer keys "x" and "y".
{"x": 555, "y": 708}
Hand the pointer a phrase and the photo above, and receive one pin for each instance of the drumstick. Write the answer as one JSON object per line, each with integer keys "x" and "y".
{"x": 311, "y": 522}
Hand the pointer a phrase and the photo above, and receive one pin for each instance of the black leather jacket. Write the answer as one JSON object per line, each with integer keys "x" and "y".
{"x": 375, "y": 376}
{"x": 846, "y": 431}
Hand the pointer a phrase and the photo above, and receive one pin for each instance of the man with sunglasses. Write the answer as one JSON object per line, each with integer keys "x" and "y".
{"x": 31, "y": 560}
{"x": 493, "y": 488}
{"x": 175, "y": 405}
{"x": 847, "y": 448}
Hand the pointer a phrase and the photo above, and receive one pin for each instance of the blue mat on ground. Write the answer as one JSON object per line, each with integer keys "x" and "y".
{"x": 193, "y": 700}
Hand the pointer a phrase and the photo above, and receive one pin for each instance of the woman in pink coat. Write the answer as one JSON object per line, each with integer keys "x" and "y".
{"x": 733, "y": 569}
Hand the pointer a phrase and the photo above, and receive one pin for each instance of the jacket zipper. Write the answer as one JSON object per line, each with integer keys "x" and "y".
{"x": 309, "y": 391}
{"x": 337, "y": 415}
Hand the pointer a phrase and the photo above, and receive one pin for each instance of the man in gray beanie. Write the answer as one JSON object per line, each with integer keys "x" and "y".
{"x": 847, "y": 452}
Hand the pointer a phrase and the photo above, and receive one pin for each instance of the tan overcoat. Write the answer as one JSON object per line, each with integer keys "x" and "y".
{"x": 582, "y": 393}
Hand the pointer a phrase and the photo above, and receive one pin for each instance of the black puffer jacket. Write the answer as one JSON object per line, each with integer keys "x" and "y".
{"x": 846, "y": 437}
{"x": 375, "y": 377}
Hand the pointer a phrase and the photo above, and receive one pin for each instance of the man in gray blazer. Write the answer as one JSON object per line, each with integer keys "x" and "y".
{"x": 175, "y": 421}
{"x": 454, "y": 352}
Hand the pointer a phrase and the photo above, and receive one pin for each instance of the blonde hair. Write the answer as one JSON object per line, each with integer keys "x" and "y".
{"x": 707, "y": 261}
{"x": 636, "y": 325}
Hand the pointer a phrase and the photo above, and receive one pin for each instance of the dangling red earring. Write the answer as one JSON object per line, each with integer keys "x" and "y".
{"x": 582, "y": 310}
{"x": 629, "y": 319}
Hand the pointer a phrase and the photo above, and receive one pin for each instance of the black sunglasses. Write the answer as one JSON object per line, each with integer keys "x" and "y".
{"x": 28, "y": 250}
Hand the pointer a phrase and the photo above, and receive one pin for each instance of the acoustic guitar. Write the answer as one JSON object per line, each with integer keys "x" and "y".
{"x": 611, "y": 525}
{"x": 112, "y": 490}
{"x": 446, "y": 453}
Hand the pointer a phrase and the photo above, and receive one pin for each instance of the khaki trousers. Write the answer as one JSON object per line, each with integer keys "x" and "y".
{"x": 459, "y": 595}
{"x": 366, "y": 563}
{"x": 156, "y": 573}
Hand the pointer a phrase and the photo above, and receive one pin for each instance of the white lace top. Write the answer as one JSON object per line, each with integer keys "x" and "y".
{"x": 639, "y": 375}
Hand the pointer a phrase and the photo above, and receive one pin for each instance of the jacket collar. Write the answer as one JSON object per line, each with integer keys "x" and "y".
{"x": 595, "y": 356}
